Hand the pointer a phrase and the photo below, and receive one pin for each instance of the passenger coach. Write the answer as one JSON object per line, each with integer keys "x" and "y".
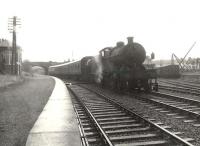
{"x": 75, "y": 70}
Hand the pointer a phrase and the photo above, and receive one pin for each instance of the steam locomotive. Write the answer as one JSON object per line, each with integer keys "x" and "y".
{"x": 120, "y": 67}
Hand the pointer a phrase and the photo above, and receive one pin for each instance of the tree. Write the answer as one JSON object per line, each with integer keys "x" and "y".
{"x": 26, "y": 66}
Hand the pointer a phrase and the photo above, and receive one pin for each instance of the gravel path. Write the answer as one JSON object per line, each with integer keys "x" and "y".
{"x": 20, "y": 105}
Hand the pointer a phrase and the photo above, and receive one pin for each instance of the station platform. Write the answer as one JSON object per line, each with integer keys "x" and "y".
{"x": 56, "y": 125}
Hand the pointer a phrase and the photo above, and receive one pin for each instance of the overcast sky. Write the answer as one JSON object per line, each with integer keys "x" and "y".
{"x": 53, "y": 29}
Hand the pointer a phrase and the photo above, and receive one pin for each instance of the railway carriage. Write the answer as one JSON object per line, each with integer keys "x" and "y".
{"x": 75, "y": 70}
{"x": 70, "y": 69}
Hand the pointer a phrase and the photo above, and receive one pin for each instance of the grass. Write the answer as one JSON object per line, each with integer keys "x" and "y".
{"x": 6, "y": 80}
{"x": 20, "y": 106}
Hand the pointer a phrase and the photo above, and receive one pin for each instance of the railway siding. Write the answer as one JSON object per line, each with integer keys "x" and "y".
{"x": 181, "y": 87}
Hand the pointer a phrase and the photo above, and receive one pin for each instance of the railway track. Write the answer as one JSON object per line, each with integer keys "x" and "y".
{"x": 180, "y": 87}
{"x": 179, "y": 107}
{"x": 103, "y": 121}
{"x": 192, "y": 81}
{"x": 183, "y": 84}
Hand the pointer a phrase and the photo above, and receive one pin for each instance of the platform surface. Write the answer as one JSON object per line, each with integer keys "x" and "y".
{"x": 56, "y": 125}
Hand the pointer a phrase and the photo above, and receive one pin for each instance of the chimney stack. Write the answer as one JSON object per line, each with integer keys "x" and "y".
{"x": 130, "y": 40}
{"x": 120, "y": 44}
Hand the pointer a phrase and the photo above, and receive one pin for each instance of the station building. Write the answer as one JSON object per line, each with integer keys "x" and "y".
{"x": 6, "y": 57}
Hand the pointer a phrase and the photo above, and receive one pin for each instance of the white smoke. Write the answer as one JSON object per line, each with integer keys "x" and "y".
{"x": 99, "y": 69}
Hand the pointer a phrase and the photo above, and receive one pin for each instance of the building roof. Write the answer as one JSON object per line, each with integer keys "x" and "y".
{"x": 4, "y": 43}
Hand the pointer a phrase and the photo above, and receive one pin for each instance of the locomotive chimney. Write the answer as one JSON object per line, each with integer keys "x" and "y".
{"x": 120, "y": 44}
{"x": 130, "y": 40}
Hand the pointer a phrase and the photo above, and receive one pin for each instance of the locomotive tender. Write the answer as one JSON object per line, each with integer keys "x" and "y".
{"x": 120, "y": 67}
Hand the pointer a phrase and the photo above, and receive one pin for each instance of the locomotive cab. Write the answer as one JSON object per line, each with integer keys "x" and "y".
{"x": 105, "y": 53}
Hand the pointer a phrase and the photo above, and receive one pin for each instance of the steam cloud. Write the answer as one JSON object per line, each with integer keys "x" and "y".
{"x": 99, "y": 69}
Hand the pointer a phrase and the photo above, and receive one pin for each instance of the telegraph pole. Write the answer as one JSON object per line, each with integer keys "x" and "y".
{"x": 12, "y": 25}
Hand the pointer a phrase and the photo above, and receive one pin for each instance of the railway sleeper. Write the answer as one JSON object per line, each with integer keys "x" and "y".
{"x": 84, "y": 117}
{"x": 99, "y": 106}
{"x": 117, "y": 122}
{"x": 188, "y": 139}
{"x": 147, "y": 143}
{"x": 85, "y": 121}
{"x": 91, "y": 134}
{"x": 136, "y": 138}
{"x": 177, "y": 104}
{"x": 97, "y": 102}
{"x": 185, "y": 106}
{"x": 132, "y": 133}
{"x": 172, "y": 104}
{"x": 133, "y": 130}
{"x": 89, "y": 129}
{"x": 194, "y": 109}
{"x": 114, "y": 119}
{"x": 93, "y": 99}
{"x": 191, "y": 107}
{"x": 82, "y": 114}
{"x": 86, "y": 125}
{"x": 106, "y": 112}
{"x": 117, "y": 127}
{"x": 105, "y": 108}
{"x": 95, "y": 141}
{"x": 189, "y": 121}
{"x": 110, "y": 115}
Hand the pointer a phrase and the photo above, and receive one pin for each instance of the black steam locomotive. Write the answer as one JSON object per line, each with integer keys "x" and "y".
{"x": 120, "y": 67}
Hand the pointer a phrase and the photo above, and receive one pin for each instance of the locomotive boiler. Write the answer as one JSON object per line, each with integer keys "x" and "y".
{"x": 120, "y": 68}
{"x": 130, "y": 54}
{"x": 123, "y": 67}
